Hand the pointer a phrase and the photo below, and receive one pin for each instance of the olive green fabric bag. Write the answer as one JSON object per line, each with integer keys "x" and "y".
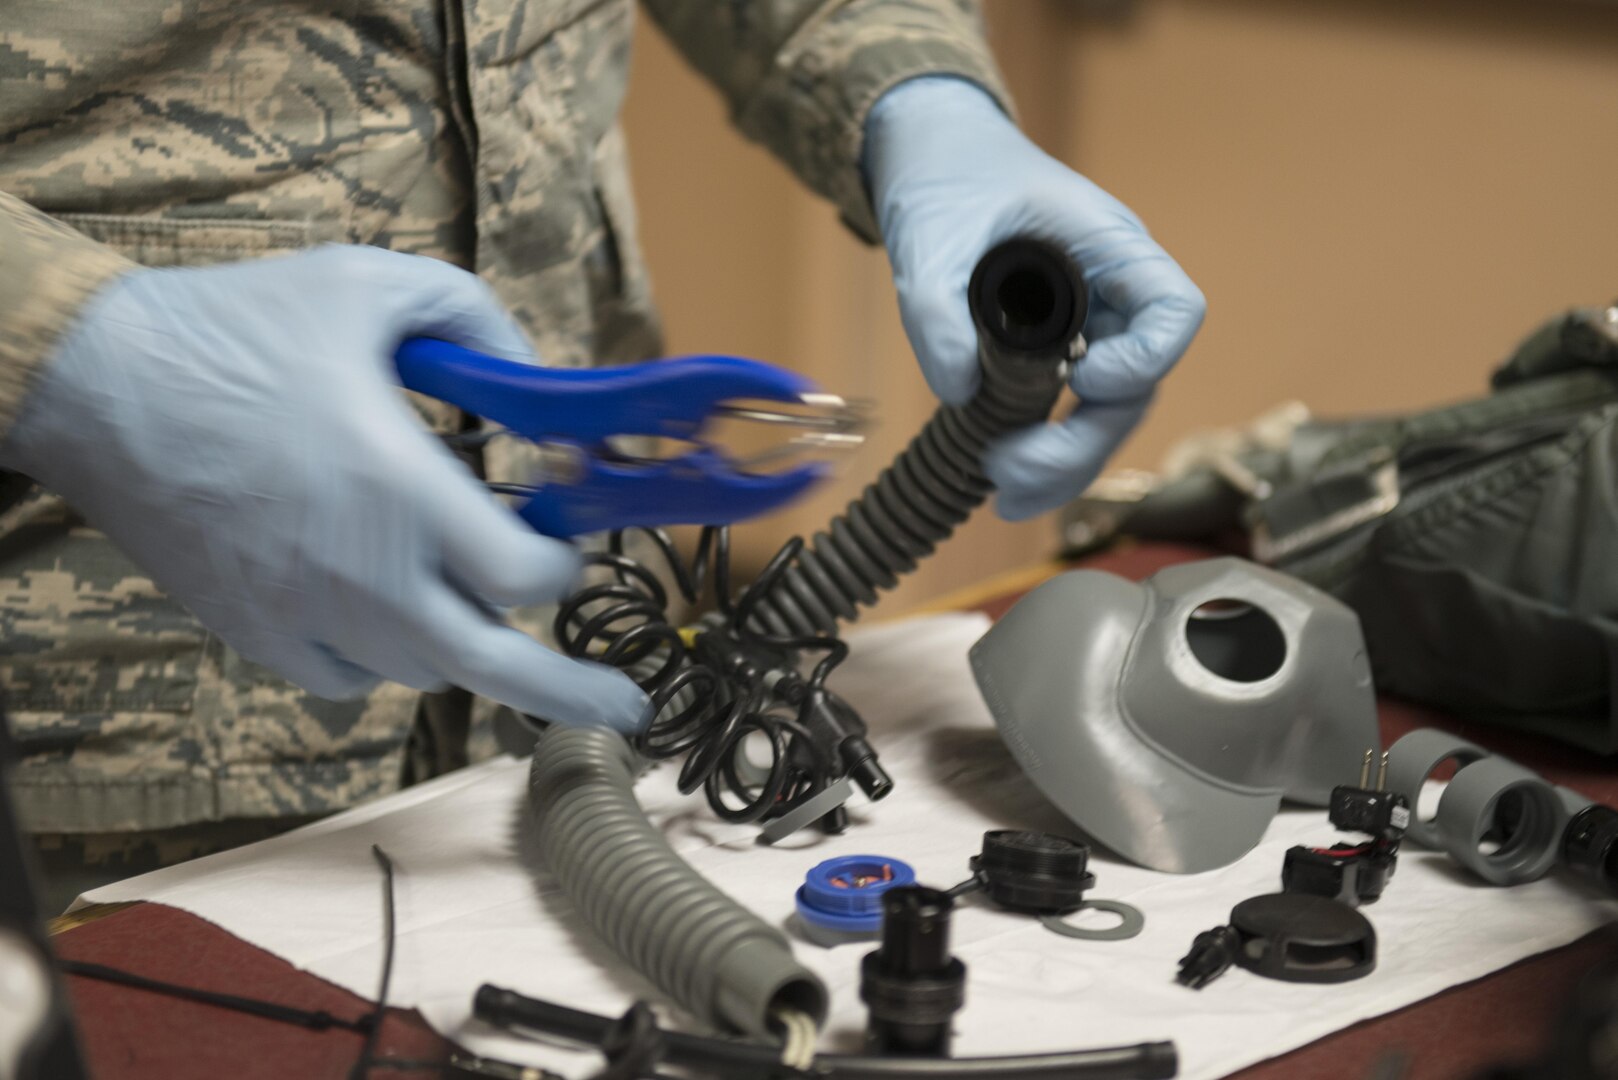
{"x": 1477, "y": 542}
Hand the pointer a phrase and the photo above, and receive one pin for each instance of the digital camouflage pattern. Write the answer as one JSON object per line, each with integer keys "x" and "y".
{"x": 482, "y": 132}
{"x": 46, "y": 271}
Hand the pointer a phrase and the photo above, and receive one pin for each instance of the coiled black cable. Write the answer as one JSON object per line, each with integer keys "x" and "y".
{"x": 712, "y": 688}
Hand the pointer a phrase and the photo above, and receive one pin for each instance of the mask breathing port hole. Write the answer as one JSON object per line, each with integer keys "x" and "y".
{"x": 1236, "y": 641}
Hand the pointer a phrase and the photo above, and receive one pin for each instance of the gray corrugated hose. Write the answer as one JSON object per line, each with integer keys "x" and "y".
{"x": 717, "y": 959}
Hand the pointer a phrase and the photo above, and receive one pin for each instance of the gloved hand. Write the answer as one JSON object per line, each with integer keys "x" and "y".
{"x": 951, "y": 176}
{"x": 239, "y": 432}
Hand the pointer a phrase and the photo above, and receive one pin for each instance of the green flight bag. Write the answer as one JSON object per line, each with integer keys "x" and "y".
{"x": 1478, "y": 542}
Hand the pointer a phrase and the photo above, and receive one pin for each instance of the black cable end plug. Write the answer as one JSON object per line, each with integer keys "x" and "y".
{"x": 1375, "y": 811}
{"x": 1212, "y": 953}
{"x": 912, "y": 987}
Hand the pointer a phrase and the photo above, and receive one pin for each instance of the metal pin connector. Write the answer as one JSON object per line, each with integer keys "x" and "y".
{"x": 834, "y": 425}
{"x": 834, "y": 413}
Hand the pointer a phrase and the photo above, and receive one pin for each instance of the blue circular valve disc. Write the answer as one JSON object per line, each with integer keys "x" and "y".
{"x": 841, "y": 898}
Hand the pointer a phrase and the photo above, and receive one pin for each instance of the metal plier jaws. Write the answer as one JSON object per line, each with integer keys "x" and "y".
{"x": 580, "y": 410}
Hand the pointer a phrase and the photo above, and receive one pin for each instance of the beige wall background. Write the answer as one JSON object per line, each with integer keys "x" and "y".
{"x": 1378, "y": 198}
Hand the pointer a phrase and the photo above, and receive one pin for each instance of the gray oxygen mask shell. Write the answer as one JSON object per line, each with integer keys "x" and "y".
{"x": 1168, "y": 718}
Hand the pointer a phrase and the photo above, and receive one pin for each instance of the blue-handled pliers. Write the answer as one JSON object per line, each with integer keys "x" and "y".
{"x": 579, "y": 411}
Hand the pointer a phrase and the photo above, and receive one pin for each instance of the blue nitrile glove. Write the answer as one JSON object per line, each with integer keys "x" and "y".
{"x": 951, "y": 176}
{"x": 240, "y": 433}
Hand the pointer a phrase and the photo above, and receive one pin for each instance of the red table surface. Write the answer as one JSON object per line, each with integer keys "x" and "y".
{"x": 137, "y": 1035}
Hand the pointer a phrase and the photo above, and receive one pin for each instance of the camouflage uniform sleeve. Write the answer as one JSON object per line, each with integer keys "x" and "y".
{"x": 801, "y": 75}
{"x": 47, "y": 271}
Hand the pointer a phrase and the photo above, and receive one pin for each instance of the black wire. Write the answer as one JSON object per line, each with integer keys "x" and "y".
{"x": 729, "y": 1058}
{"x": 367, "y": 1052}
{"x": 314, "y": 1020}
{"x": 624, "y": 622}
{"x": 318, "y": 1019}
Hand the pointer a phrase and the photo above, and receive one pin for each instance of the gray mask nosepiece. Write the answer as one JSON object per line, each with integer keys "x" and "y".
{"x": 1168, "y": 718}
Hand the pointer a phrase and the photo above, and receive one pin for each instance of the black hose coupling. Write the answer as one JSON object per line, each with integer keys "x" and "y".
{"x": 912, "y": 987}
{"x": 1029, "y": 302}
{"x": 1032, "y": 871}
{"x": 1590, "y": 846}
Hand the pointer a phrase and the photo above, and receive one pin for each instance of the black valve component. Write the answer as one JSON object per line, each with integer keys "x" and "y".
{"x": 911, "y": 985}
{"x": 1212, "y": 953}
{"x": 1353, "y": 874}
{"x": 1590, "y": 845}
{"x": 1033, "y": 872}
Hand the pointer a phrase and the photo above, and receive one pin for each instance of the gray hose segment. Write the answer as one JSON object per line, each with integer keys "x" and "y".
{"x": 715, "y": 958}
{"x": 1470, "y": 810}
{"x": 1412, "y": 759}
{"x": 917, "y": 502}
{"x": 1028, "y": 301}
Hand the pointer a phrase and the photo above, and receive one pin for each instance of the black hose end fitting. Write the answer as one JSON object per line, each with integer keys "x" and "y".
{"x": 495, "y": 1006}
{"x": 912, "y": 987}
{"x": 1590, "y": 846}
{"x": 1028, "y": 299}
{"x": 1035, "y": 872}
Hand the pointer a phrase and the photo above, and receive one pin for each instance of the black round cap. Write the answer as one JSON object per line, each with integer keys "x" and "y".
{"x": 1033, "y": 871}
{"x": 1307, "y": 939}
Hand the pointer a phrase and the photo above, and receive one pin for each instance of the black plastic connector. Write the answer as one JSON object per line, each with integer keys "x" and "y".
{"x": 1365, "y": 810}
{"x": 1353, "y": 874}
{"x": 1376, "y": 812}
{"x": 912, "y": 987}
{"x": 1212, "y": 953}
